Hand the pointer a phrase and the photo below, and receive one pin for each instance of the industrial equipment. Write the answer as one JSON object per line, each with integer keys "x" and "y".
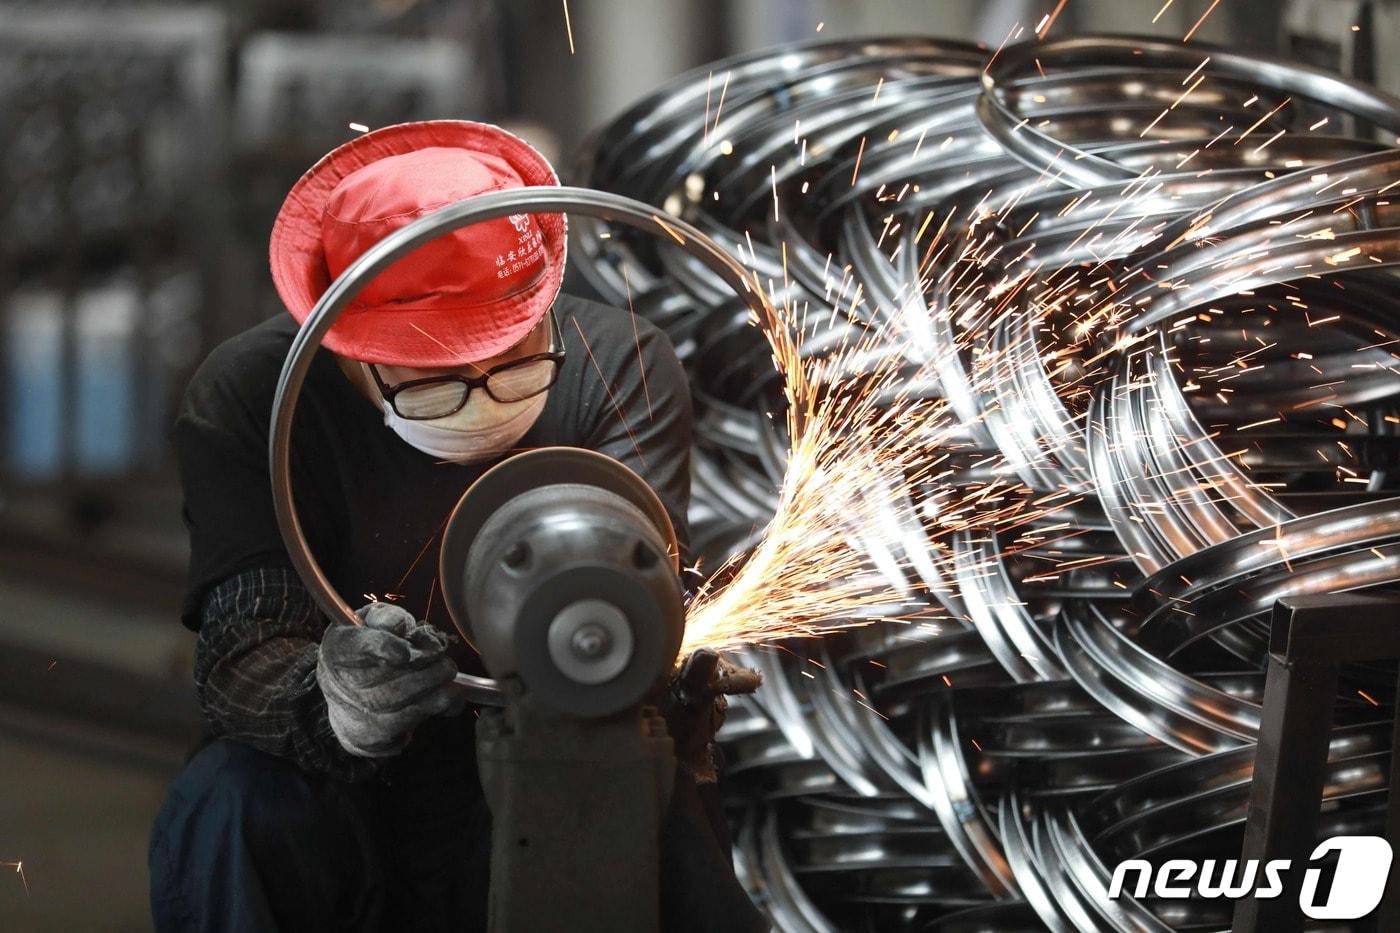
{"x": 560, "y": 566}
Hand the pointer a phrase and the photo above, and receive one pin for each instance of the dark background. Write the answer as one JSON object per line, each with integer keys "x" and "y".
{"x": 144, "y": 149}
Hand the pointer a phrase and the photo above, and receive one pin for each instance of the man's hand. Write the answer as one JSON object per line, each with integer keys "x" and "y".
{"x": 694, "y": 707}
{"x": 384, "y": 677}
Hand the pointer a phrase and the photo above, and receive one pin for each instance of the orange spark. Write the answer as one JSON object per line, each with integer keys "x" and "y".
{"x": 568, "y": 26}
{"x": 18, "y": 866}
{"x": 1049, "y": 20}
{"x": 1192, "y": 31}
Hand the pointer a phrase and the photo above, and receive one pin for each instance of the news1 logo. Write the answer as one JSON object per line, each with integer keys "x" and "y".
{"x": 1363, "y": 864}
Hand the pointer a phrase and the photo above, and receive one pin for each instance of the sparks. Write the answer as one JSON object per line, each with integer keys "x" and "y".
{"x": 859, "y": 444}
{"x": 18, "y": 866}
{"x": 1049, "y": 19}
{"x": 1192, "y": 31}
{"x": 568, "y": 26}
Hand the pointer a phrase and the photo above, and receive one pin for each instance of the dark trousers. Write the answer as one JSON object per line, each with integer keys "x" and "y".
{"x": 246, "y": 841}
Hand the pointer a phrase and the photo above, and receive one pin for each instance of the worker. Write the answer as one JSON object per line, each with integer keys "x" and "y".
{"x": 340, "y": 790}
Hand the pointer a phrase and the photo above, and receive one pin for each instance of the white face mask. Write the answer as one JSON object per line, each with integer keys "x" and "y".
{"x": 484, "y": 428}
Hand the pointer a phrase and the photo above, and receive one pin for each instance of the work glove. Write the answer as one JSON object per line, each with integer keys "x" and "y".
{"x": 383, "y": 677}
{"x": 694, "y": 706}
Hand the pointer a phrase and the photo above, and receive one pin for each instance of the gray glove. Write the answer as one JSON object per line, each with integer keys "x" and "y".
{"x": 384, "y": 677}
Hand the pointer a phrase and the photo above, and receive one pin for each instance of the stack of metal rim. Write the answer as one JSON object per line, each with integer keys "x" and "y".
{"x": 1162, "y": 300}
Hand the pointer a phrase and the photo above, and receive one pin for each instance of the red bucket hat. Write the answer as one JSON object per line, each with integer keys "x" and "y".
{"x": 465, "y": 296}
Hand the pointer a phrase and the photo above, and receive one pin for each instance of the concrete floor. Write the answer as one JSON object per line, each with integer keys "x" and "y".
{"x": 96, "y": 713}
{"x": 78, "y": 823}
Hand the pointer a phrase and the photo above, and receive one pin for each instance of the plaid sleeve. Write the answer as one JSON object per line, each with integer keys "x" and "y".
{"x": 255, "y": 671}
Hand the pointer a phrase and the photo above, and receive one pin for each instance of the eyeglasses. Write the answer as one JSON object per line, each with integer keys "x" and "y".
{"x": 512, "y": 381}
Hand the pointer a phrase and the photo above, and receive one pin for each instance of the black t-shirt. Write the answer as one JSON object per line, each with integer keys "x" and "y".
{"x": 371, "y": 505}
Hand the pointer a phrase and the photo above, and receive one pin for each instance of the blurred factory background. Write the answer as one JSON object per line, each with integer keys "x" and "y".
{"x": 144, "y": 151}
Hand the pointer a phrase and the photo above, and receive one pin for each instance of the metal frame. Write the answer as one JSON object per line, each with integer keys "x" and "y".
{"x": 1311, "y": 638}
